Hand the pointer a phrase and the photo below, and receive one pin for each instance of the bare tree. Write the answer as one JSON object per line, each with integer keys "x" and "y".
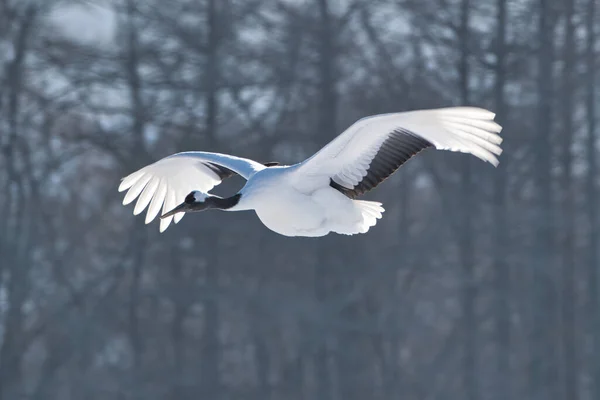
{"x": 466, "y": 239}
{"x": 16, "y": 240}
{"x": 569, "y": 362}
{"x": 211, "y": 345}
{"x": 328, "y": 105}
{"x": 543, "y": 363}
{"x": 501, "y": 233}
{"x": 592, "y": 196}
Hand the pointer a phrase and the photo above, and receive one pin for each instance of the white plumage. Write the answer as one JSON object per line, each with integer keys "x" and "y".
{"x": 316, "y": 196}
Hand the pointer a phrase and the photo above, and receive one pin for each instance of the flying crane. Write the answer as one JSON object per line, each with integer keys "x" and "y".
{"x": 318, "y": 195}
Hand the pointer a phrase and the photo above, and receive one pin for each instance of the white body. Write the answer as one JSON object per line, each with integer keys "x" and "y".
{"x": 299, "y": 200}
{"x": 292, "y": 211}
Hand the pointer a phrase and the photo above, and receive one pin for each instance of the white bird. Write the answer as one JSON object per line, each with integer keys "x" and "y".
{"x": 316, "y": 196}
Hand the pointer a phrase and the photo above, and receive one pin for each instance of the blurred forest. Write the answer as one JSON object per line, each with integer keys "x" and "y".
{"x": 478, "y": 283}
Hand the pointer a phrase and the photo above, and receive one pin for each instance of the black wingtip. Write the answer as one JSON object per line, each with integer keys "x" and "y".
{"x": 271, "y": 164}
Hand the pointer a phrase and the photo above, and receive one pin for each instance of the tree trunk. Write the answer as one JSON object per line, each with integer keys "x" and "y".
{"x": 543, "y": 361}
{"x": 16, "y": 260}
{"x": 466, "y": 234}
{"x": 261, "y": 336}
{"x": 211, "y": 346}
{"x": 500, "y": 231}
{"x": 177, "y": 330}
{"x": 569, "y": 362}
{"x": 326, "y": 127}
{"x": 139, "y": 234}
{"x": 592, "y": 201}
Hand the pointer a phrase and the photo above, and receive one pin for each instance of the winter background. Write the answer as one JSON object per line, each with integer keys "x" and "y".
{"x": 478, "y": 283}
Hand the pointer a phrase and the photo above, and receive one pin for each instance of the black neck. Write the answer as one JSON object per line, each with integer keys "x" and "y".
{"x": 223, "y": 203}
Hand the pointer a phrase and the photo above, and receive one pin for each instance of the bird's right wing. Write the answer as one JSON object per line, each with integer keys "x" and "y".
{"x": 166, "y": 182}
{"x": 373, "y": 148}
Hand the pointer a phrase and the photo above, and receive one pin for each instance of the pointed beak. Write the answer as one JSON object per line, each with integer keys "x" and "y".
{"x": 183, "y": 207}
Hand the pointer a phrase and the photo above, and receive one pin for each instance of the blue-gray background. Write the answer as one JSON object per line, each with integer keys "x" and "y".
{"x": 478, "y": 283}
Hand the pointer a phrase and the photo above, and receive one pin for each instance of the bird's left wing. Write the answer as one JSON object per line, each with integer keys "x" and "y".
{"x": 166, "y": 182}
{"x": 373, "y": 148}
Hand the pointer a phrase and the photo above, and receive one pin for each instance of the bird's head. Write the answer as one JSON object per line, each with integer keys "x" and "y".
{"x": 194, "y": 202}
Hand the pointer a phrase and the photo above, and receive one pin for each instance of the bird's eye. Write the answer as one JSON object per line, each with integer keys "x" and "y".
{"x": 190, "y": 198}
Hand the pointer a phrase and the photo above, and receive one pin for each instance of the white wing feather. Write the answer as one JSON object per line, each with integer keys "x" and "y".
{"x": 166, "y": 182}
{"x": 347, "y": 157}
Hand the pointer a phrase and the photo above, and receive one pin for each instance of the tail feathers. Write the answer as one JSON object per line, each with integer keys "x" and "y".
{"x": 370, "y": 212}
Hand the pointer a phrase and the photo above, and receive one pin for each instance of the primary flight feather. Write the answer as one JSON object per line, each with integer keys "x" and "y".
{"x": 318, "y": 195}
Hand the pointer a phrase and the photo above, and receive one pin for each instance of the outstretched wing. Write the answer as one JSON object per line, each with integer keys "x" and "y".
{"x": 373, "y": 148}
{"x": 166, "y": 182}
